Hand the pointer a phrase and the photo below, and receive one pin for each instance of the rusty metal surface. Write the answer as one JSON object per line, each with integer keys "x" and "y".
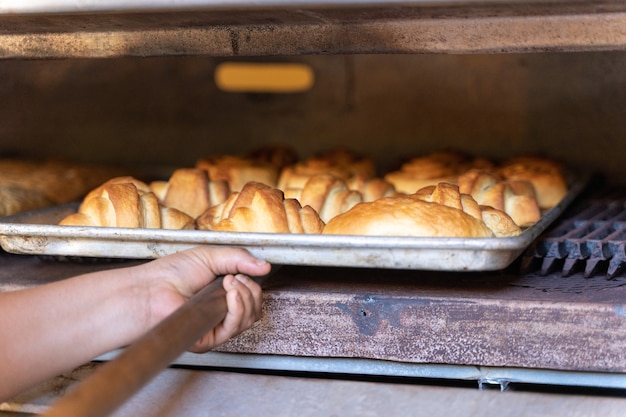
{"x": 437, "y": 319}
{"x": 477, "y": 27}
{"x": 482, "y": 319}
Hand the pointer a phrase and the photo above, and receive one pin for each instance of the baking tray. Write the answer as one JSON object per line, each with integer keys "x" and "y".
{"x": 37, "y": 233}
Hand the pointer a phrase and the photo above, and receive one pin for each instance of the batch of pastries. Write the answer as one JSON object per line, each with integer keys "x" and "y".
{"x": 270, "y": 190}
{"x": 28, "y": 184}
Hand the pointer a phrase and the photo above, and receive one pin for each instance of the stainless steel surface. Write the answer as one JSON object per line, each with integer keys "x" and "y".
{"x": 331, "y": 366}
{"x": 37, "y": 233}
{"x": 145, "y": 358}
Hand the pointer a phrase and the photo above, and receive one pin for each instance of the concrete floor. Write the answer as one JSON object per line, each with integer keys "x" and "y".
{"x": 184, "y": 392}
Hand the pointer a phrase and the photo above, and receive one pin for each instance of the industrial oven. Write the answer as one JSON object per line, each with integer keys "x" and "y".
{"x": 348, "y": 323}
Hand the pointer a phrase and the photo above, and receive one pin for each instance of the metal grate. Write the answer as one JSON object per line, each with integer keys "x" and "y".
{"x": 591, "y": 239}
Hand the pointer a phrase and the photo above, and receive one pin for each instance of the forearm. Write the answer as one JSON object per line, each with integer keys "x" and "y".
{"x": 47, "y": 330}
{"x": 52, "y": 328}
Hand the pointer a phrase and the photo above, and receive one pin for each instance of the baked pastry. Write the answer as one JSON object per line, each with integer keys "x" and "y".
{"x": 326, "y": 194}
{"x": 14, "y": 199}
{"x": 190, "y": 191}
{"x": 449, "y": 195}
{"x": 260, "y": 208}
{"x": 406, "y": 215}
{"x": 31, "y": 184}
{"x": 371, "y": 188}
{"x": 500, "y": 223}
{"x": 546, "y": 176}
{"x": 352, "y": 162}
{"x": 126, "y": 202}
{"x": 339, "y": 162}
{"x": 237, "y": 171}
{"x": 278, "y": 155}
{"x": 514, "y": 197}
{"x": 431, "y": 169}
{"x": 99, "y": 190}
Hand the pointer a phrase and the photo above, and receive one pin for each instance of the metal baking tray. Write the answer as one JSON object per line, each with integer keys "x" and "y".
{"x": 37, "y": 233}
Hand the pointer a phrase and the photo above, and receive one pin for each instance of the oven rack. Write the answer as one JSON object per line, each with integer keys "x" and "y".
{"x": 591, "y": 238}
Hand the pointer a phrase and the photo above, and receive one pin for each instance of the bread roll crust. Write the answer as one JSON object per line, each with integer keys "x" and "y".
{"x": 514, "y": 197}
{"x": 339, "y": 162}
{"x": 237, "y": 171}
{"x": 406, "y": 216}
{"x": 126, "y": 202}
{"x": 326, "y": 194}
{"x": 371, "y": 188}
{"x": 546, "y": 176}
{"x": 432, "y": 169}
{"x": 263, "y": 209}
{"x": 500, "y": 223}
{"x": 59, "y": 182}
{"x": 190, "y": 191}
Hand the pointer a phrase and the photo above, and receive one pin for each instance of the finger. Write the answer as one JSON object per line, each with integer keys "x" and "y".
{"x": 224, "y": 261}
{"x": 254, "y": 295}
{"x": 192, "y": 269}
{"x": 242, "y": 307}
{"x": 232, "y": 323}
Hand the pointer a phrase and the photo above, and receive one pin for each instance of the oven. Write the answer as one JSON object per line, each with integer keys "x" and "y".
{"x": 138, "y": 85}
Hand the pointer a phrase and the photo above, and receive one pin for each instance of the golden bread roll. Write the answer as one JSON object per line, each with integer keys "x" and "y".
{"x": 546, "y": 176}
{"x": 326, "y": 194}
{"x": 32, "y": 184}
{"x": 296, "y": 176}
{"x": 352, "y": 162}
{"x": 515, "y": 197}
{"x": 120, "y": 203}
{"x": 278, "y": 155}
{"x": 371, "y": 188}
{"x": 406, "y": 215}
{"x": 263, "y": 209}
{"x": 190, "y": 191}
{"x": 126, "y": 179}
{"x": 237, "y": 171}
{"x": 449, "y": 195}
{"x": 431, "y": 169}
{"x": 339, "y": 162}
{"x": 14, "y": 199}
{"x": 500, "y": 223}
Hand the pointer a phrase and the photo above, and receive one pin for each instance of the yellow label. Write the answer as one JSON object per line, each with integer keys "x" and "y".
{"x": 275, "y": 77}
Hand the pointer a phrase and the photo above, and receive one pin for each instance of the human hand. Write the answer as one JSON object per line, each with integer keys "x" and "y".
{"x": 170, "y": 281}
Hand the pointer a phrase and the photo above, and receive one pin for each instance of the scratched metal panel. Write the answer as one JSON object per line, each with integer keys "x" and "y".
{"x": 228, "y": 28}
{"x": 114, "y": 6}
{"x": 438, "y": 318}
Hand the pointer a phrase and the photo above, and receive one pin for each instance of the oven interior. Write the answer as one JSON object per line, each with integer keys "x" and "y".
{"x": 555, "y": 319}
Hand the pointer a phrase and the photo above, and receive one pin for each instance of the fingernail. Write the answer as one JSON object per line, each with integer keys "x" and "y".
{"x": 241, "y": 278}
{"x": 260, "y": 262}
